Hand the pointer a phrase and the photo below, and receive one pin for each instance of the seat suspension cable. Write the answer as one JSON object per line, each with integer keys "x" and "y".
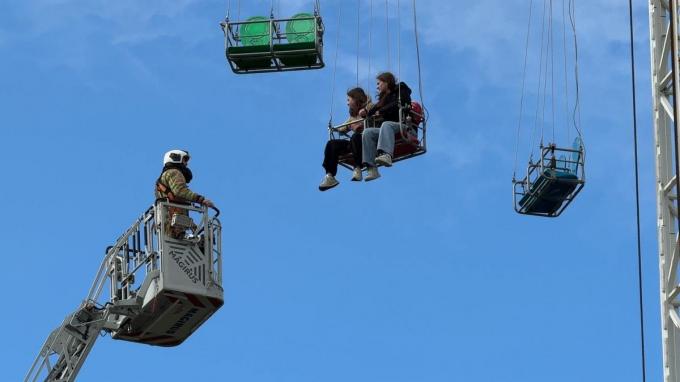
{"x": 387, "y": 33}
{"x": 552, "y": 71}
{"x": 358, "y": 35}
{"x": 577, "y": 106}
{"x": 370, "y": 45}
{"x": 335, "y": 66}
{"x": 538, "y": 88}
{"x": 566, "y": 76}
{"x": 637, "y": 192}
{"x": 521, "y": 99}
{"x": 399, "y": 52}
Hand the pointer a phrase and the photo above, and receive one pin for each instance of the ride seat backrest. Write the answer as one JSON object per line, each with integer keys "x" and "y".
{"x": 575, "y": 156}
{"x": 301, "y": 30}
{"x": 562, "y": 164}
{"x": 256, "y": 33}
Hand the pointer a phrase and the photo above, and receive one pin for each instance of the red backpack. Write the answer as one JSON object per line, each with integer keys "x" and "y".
{"x": 416, "y": 113}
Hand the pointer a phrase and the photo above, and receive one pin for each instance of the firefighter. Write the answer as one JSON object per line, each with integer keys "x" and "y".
{"x": 172, "y": 185}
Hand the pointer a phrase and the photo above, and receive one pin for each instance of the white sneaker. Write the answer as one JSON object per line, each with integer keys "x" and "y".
{"x": 328, "y": 182}
{"x": 356, "y": 174}
{"x": 384, "y": 159}
{"x": 372, "y": 174}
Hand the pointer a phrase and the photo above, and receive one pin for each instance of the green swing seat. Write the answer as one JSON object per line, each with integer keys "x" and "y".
{"x": 260, "y": 51}
{"x": 301, "y": 36}
{"x": 255, "y": 37}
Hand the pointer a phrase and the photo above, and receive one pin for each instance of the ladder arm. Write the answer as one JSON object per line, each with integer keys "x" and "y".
{"x": 67, "y": 347}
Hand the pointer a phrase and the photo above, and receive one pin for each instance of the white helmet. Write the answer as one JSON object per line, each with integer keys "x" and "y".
{"x": 175, "y": 156}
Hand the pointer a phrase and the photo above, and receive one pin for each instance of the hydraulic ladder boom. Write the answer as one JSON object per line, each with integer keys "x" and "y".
{"x": 162, "y": 288}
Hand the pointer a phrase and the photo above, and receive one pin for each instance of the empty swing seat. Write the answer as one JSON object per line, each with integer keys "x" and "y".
{"x": 551, "y": 184}
{"x": 255, "y": 49}
{"x": 256, "y": 45}
{"x": 301, "y": 49}
{"x": 549, "y": 192}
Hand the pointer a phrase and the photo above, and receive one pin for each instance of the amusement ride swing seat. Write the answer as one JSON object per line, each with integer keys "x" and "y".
{"x": 411, "y": 140}
{"x": 558, "y": 176}
{"x": 407, "y": 143}
{"x": 257, "y": 45}
{"x": 551, "y": 184}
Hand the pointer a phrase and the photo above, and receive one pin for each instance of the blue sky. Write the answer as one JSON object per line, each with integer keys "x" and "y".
{"x": 426, "y": 274}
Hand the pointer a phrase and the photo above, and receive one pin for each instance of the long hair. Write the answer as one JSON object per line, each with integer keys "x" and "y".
{"x": 360, "y": 100}
{"x": 390, "y": 80}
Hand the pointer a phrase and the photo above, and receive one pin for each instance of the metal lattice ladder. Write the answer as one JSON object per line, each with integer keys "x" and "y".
{"x": 665, "y": 70}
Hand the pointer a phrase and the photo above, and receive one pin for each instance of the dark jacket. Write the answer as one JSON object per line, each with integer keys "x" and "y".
{"x": 389, "y": 106}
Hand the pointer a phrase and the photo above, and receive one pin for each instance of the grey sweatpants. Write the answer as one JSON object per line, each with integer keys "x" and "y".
{"x": 375, "y": 139}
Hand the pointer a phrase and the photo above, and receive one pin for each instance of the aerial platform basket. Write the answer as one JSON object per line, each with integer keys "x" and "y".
{"x": 159, "y": 282}
{"x": 551, "y": 183}
{"x": 263, "y": 44}
{"x": 182, "y": 280}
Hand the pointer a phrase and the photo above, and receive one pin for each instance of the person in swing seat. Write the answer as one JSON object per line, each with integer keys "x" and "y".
{"x": 378, "y": 142}
{"x": 357, "y": 101}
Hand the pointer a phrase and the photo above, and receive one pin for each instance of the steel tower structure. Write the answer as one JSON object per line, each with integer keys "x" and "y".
{"x": 663, "y": 26}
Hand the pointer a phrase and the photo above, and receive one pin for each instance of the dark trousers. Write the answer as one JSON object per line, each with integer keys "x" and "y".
{"x": 337, "y": 147}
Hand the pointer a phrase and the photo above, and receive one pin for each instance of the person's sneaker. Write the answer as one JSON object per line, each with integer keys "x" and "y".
{"x": 328, "y": 182}
{"x": 384, "y": 159}
{"x": 356, "y": 174}
{"x": 372, "y": 174}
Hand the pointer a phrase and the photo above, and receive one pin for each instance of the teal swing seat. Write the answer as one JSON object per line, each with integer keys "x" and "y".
{"x": 257, "y": 45}
{"x": 551, "y": 184}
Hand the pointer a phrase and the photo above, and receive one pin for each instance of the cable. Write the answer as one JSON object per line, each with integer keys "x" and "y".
{"x": 552, "y": 72}
{"x": 358, "y": 35}
{"x": 420, "y": 77}
{"x": 521, "y": 99}
{"x": 577, "y": 104}
{"x": 566, "y": 76}
{"x": 637, "y": 190}
{"x": 399, "y": 45}
{"x": 370, "y": 46}
{"x": 387, "y": 33}
{"x": 335, "y": 67}
{"x": 538, "y": 89}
